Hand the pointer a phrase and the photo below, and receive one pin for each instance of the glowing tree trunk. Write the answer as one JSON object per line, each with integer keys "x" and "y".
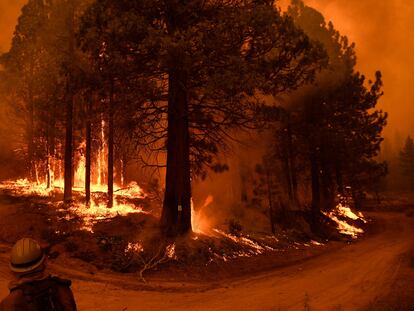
{"x": 111, "y": 149}
{"x": 88, "y": 153}
{"x": 68, "y": 176}
{"x": 30, "y": 136}
{"x": 52, "y": 146}
{"x": 176, "y": 213}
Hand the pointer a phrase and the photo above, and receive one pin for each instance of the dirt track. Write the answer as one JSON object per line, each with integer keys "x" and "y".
{"x": 350, "y": 279}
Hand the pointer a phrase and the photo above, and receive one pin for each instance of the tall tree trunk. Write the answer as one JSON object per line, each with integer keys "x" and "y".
{"x": 124, "y": 165}
{"x": 68, "y": 174}
{"x": 269, "y": 194}
{"x": 51, "y": 152}
{"x": 30, "y": 136}
{"x": 176, "y": 212}
{"x": 315, "y": 185}
{"x": 327, "y": 191}
{"x": 291, "y": 166}
{"x": 339, "y": 178}
{"x": 88, "y": 151}
{"x": 111, "y": 147}
{"x": 68, "y": 178}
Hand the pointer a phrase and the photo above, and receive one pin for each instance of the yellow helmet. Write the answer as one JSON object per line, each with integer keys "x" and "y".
{"x": 26, "y": 256}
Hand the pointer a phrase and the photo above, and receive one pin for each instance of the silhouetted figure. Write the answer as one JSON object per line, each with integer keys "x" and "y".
{"x": 33, "y": 289}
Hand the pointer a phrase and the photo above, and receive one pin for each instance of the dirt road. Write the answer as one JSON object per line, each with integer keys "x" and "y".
{"x": 349, "y": 279}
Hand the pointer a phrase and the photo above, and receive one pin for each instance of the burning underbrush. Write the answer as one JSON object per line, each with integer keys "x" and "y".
{"x": 126, "y": 237}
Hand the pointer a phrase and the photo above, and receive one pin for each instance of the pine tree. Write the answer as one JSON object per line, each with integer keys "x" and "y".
{"x": 407, "y": 162}
{"x": 336, "y": 122}
{"x": 207, "y": 63}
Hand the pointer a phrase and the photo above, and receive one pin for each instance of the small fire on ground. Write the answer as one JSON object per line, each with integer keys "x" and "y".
{"x": 340, "y": 214}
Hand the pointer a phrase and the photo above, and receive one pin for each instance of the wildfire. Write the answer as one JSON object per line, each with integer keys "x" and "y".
{"x": 342, "y": 212}
{"x": 99, "y": 211}
{"x": 255, "y": 248}
{"x": 170, "y": 251}
{"x": 199, "y": 223}
{"x": 24, "y": 187}
{"x": 134, "y": 247}
{"x": 52, "y": 183}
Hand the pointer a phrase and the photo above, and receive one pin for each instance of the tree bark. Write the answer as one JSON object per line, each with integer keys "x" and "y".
{"x": 68, "y": 176}
{"x": 292, "y": 179}
{"x": 52, "y": 144}
{"x": 88, "y": 152}
{"x": 30, "y": 135}
{"x": 315, "y": 185}
{"x": 124, "y": 166}
{"x": 176, "y": 212}
{"x": 269, "y": 193}
{"x": 327, "y": 184}
{"x": 339, "y": 178}
{"x": 111, "y": 147}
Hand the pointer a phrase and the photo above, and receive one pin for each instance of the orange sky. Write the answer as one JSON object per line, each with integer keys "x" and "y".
{"x": 9, "y": 12}
{"x": 383, "y": 31}
{"x": 384, "y": 35}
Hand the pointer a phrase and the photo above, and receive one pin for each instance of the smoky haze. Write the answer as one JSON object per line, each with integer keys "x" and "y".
{"x": 383, "y": 32}
{"x": 9, "y": 12}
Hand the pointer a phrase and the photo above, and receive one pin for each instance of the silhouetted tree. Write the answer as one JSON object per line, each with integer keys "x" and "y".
{"x": 336, "y": 124}
{"x": 407, "y": 162}
{"x": 208, "y": 63}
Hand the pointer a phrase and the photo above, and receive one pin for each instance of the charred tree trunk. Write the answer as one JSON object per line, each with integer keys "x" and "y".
{"x": 316, "y": 199}
{"x": 30, "y": 136}
{"x": 88, "y": 152}
{"x": 68, "y": 176}
{"x": 339, "y": 178}
{"x": 111, "y": 147}
{"x": 124, "y": 165}
{"x": 176, "y": 212}
{"x": 327, "y": 184}
{"x": 291, "y": 168}
{"x": 51, "y": 146}
{"x": 269, "y": 194}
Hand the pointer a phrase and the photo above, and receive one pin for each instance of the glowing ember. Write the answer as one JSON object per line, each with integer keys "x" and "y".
{"x": 170, "y": 251}
{"x": 134, "y": 247}
{"x": 254, "y": 246}
{"x": 316, "y": 243}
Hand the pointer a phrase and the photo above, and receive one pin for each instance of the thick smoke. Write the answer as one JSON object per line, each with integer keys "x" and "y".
{"x": 383, "y": 31}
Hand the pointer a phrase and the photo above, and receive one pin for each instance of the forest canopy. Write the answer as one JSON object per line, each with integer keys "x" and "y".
{"x": 168, "y": 85}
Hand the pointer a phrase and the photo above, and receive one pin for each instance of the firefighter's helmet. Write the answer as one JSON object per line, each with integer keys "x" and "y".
{"x": 26, "y": 256}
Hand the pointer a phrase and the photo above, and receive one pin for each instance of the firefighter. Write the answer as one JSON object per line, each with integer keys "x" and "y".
{"x": 33, "y": 289}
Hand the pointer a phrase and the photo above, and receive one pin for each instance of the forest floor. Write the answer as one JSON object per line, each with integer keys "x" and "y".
{"x": 374, "y": 273}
